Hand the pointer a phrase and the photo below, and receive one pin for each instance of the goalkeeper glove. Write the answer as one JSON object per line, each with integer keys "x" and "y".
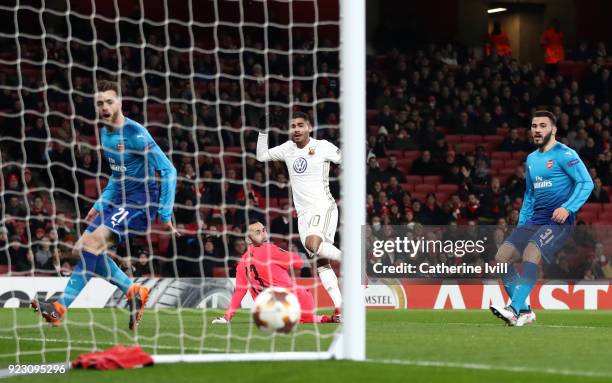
{"x": 220, "y": 320}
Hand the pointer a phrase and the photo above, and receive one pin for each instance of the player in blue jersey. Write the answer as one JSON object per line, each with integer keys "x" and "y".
{"x": 557, "y": 185}
{"x": 128, "y": 205}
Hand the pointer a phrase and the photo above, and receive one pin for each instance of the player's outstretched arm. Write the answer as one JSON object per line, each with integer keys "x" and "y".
{"x": 575, "y": 168}
{"x": 332, "y": 153}
{"x": 242, "y": 286}
{"x": 527, "y": 208}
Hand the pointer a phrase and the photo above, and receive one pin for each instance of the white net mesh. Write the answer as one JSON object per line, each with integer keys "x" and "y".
{"x": 200, "y": 76}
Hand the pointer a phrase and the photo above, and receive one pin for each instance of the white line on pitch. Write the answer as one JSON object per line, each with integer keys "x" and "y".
{"x": 539, "y": 325}
{"x": 482, "y": 366}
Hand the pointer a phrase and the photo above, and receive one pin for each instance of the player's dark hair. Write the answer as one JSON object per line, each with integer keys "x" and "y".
{"x": 303, "y": 115}
{"x": 545, "y": 113}
{"x": 105, "y": 85}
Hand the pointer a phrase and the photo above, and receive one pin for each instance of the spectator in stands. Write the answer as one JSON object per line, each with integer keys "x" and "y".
{"x": 513, "y": 143}
{"x": 142, "y": 265}
{"x": 45, "y": 258}
{"x": 4, "y": 253}
{"x": 471, "y": 210}
{"x": 430, "y": 212}
{"x": 552, "y": 43}
{"x": 493, "y": 202}
{"x": 14, "y": 208}
{"x": 394, "y": 190}
{"x": 21, "y": 256}
{"x": 393, "y": 171}
{"x": 599, "y": 194}
{"x": 374, "y": 174}
{"x": 578, "y": 141}
{"x": 589, "y": 151}
{"x": 285, "y": 223}
{"x": 403, "y": 141}
{"x": 424, "y": 164}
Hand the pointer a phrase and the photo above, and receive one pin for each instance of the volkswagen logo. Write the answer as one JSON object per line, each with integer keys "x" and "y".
{"x": 300, "y": 165}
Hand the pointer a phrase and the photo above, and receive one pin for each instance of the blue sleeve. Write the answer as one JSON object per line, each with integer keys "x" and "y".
{"x": 108, "y": 194}
{"x": 168, "y": 181}
{"x": 527, "y": 208}
{"x": 583, "y": 184}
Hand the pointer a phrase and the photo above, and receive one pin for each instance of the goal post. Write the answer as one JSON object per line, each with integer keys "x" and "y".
{"x": 352, "y": 130}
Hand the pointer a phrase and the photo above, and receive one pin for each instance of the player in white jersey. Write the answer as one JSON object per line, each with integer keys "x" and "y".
{"x": 307, "y": 161}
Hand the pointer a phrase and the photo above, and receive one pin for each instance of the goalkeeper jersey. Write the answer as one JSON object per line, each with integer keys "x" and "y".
{"x": 134, "y": 158}
{"x": 555, "y": 178}
{"x": 261, "y": 267}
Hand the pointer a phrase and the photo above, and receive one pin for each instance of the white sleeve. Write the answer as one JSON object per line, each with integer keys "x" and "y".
{"x": 332, "y": 153}
{"x": 264, "y": 154}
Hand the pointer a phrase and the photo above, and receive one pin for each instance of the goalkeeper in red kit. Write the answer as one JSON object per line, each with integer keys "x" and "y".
{"x": 266, "y": 265}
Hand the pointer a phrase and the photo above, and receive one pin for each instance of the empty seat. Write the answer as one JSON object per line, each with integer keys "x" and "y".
{"x": 426, "y": 188}
{"x": 412, "y": 179}
{"x": 433, "y": 180}
{"x": 447, "y": 188}
{"x": 501, "y": 155}
{"x": 474, "y": 139}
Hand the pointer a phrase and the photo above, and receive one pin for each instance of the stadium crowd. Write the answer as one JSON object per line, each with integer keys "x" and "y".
{"x": 447, "y": 138}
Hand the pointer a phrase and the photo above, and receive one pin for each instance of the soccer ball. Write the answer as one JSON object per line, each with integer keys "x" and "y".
{"x": 276, "y": 309}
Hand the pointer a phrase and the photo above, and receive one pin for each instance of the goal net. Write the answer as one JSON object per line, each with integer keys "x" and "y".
{"x": 200, "y": 76}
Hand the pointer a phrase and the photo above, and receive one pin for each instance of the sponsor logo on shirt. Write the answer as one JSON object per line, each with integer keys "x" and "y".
{"x": 541, "y": 183}
{"x": 573, "y": 162}
{"x": 300, "y": 164}
{"x": 549, "y": 164}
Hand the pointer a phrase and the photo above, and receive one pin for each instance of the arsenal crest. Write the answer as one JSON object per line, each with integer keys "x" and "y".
{"x": 549, "y": 164}
{"x": 120, "y": 147}
{"x": 311, "y": 151}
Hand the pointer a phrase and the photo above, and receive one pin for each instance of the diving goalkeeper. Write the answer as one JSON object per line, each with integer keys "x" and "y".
{"x": 265, "y": 265}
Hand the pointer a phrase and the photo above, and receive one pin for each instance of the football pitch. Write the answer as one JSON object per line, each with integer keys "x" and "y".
{"x": 402, "y": 345}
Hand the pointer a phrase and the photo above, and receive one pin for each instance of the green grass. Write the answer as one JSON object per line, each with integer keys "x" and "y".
{"x": 417, "y": 345}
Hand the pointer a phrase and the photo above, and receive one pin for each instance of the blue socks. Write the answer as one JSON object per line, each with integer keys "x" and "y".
{"x": 524, "y": 286}
{"x": 107, "y": 268}
{"x": 81, "y": 274}
{"x": 510, "y": 279}
{"x": 90, "y": 265}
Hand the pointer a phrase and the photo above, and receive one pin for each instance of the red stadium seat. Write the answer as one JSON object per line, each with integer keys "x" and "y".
{"x": 412, "y": 154}
{"x": 587, "y": 217}
{"x": 520, "y": 156}
{"x": 466, "y": 147}
{"x": 4, "y": 269}
{"x": 433, "y": 180}
{"x": 219, "y": 272}
{"x": 397, "y": 153}
{"x": 493, "y": 139}
{"x": 502, "y": 131}
{"x": 591, "y": 207}
{"x": 420, "y": 196}
{"x": 607, "y": 207}
{"x": 415, "y": 180}
{"x": 474, "y": 139}
{"x": 404, "y": 164}
{"x": 501, "y": 155}
{"x": 497, "y": 164}
{"x": 424, "y": 188}
{"x": 408, "y": 187}
{"x": 447, "y": 188}
{"x": 383, "y": 163}
{"x": 453, "y": 139}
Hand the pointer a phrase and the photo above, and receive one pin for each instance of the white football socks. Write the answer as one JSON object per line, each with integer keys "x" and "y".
{"x": 330, "y": 283}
